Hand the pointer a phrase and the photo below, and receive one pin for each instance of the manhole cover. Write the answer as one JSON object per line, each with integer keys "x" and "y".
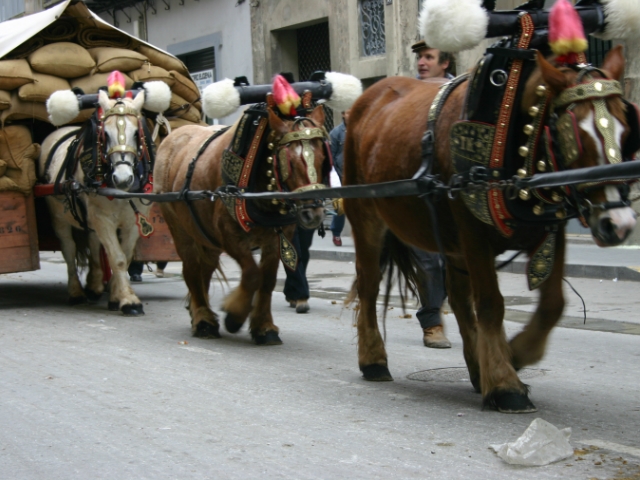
{"x": 460, "y": 374}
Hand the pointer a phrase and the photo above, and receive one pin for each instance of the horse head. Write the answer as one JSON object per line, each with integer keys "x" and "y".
{"x": 589, "y": 124}
{"x": 299, "y": 160}
{"x": 120, "y": 138}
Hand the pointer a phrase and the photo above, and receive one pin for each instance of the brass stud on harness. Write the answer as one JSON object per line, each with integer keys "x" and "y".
{"x": 523, "y": 151}
{"x": 533, "y": 111}
{"x": 269, "y": 187}
{"x": 269, "y": 173}
{"x": 528, "y": 129}
{"x": 541, "y": 90}
{"x": 273, "y": 181}
{"x": 522, "y": 172}
{"x": 274, "y": 201}
{"x": 560, "y": 213}
{"x": 270, "y": 146}
{"x": 538, "y": 209}
{"x": 556, "y": 197}
{"x": 269, "y": 160}
{"x": 283, "y": 211}
{"x": 542, "y": 166}
{"x": 524, "y": 194}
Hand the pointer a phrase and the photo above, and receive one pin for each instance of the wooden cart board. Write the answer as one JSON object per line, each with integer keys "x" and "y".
{"x": 159, "y": 246}
{"x": 18, "y": 233}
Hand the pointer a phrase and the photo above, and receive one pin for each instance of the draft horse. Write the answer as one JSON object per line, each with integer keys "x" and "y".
{"x": 111, "y": 149}
{"x": 384, "y": 143}
{"x": 261, "y": 152}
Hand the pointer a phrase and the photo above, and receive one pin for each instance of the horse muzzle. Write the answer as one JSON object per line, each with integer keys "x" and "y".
{"x": 122, "y": 176}
{"x": 311, "y": 216}
{"x": 613, "y": 227}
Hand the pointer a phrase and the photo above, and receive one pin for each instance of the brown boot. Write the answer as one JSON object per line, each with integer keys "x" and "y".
{"x": 434, "y": 337}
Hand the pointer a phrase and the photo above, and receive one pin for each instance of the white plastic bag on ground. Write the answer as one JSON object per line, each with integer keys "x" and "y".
{"x": 540, "y": 444}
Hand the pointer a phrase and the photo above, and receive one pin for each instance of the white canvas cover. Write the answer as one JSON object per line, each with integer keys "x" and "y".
{"x": 15, "y": 32}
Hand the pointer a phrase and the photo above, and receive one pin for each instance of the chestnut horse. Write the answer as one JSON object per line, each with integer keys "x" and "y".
{"x": 294, "y": 153}
{"x": 384, "y": 143}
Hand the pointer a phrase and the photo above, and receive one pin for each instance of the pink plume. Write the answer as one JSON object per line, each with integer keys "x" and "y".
{"x": 116, "y": 84}
{"x": 566, "y": 33}
{"x": 285, "y": 96}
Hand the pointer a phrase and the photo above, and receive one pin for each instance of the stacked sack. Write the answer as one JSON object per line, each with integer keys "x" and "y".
{"x": 70, "y": 54}
{"x": 18, "y": 155}
{"x": 27, "y": 83}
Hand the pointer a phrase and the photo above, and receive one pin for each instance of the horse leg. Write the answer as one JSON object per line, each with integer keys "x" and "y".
{"x": 500, "y": 386}
{"x": 461, "y": 302}
{"x": 95, "y": 286}
{"x": 368, "y": 234}
{"x": 239, "y": 302}
{"x": 198, "y": 266}
{"x": 529, "y": 345}
{"x": 64, "y": 232}
{"x": 263, "y": 330}
{"x": 121, "y": 295}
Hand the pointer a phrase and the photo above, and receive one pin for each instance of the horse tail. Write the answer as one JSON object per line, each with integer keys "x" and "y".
{"x": 398, "y": 262}
{"x": 81, "y": 239}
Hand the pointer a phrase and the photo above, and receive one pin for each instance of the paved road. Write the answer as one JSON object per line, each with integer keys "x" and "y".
{"x": 87, "y": 393}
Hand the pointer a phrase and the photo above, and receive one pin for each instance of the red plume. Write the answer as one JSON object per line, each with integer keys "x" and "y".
{"x": 285, "y": 96}
{"x": 566, "y": 33}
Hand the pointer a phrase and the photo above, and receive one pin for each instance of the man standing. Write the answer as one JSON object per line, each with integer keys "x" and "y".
{"x": 432, "y": 63}
{"x": 337, "y": 136}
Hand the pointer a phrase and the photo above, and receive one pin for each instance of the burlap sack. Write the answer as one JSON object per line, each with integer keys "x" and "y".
{"x": 62, "y": 59}
{"x": 180, "y": 108}
{"x": 148, "y": 73}
{"x": 14, "y": 74}
{"x": 184, "y": 87}
{"x": 21, "y": 180}
{"x": 109, "y": 59}
{"x": 42, "y": 88}
{"x": 164, "y": 60}
{"x": 20, "y": 110}
{"x": 5, "y": 100}
{"x": 91, "y": 83}
{"x": 15, "y": 144}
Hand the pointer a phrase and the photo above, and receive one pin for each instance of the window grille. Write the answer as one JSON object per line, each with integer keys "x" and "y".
{"x": 313, "y": 55}
{"x": 372, "y": 27}
{"x": 597, "y": 50}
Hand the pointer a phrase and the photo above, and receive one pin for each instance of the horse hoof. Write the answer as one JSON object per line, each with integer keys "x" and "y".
{"x": 232, "y": 324}
{"x": 271, "y": 337}
{"x": 77, "y": 300}
{"x": 132, "y": 310}
{"x": 92, "y": 296}
{"x": 376, "y": 373}
{"x": 207, "y": 330}
{"x": 114, "y": 306}
{"x": 510, "y": 402}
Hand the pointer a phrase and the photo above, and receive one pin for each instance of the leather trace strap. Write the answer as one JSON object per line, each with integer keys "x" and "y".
{"x": 428, "y": 139}
{"x": 187, "y": 183}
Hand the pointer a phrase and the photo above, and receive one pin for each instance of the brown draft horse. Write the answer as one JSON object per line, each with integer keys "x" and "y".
{"x": 384, "y": 143}
{"x": 200, "y": 257}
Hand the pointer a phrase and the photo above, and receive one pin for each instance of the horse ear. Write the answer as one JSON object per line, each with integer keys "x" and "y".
{"x": 318, "y": 115}
{"x": 103, "y": 100}
{"x": 554, "y": 78}
{"x": 138, "y": 102}
{"x": 276, "y": 124}
{"x": 614, "y": 62}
